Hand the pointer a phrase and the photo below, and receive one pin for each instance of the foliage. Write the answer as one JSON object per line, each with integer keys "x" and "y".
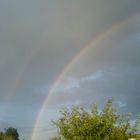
{"x": 79, "y": 124}
{"x": 9, "y": 134}
{"x": 12, "y": 132}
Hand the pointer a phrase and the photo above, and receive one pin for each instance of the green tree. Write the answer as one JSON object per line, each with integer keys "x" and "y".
{"x": 9, "y": 134}
{"x": 80, "y": 124}
{"x": 12, "y": 132}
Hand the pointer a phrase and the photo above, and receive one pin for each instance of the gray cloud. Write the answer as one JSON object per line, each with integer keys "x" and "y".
{"x": 39, "y": 38}
{"x": 121, "y": 72}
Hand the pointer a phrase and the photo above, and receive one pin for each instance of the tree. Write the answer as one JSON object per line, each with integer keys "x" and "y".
{"x": 80, "y": 124}
{"x": 12, "y": 132}
{"x": 9, "y": 134}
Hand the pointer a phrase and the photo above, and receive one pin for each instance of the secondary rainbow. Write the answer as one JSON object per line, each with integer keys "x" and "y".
{"x": 92, "y": 43}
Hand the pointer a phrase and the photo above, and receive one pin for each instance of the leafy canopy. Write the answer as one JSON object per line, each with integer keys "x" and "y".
{"x": 108, "y": 124}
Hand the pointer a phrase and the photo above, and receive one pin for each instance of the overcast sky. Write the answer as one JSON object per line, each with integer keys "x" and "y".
{"x": 38, "y": 39}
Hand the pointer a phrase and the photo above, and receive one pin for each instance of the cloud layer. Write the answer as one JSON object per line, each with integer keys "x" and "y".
{"x": 39, "y": 38}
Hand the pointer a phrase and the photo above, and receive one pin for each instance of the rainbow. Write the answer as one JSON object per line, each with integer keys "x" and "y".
{"x": 73, "y": 61}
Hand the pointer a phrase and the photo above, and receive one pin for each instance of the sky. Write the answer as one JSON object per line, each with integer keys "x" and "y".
{"x": 41, "y": 40}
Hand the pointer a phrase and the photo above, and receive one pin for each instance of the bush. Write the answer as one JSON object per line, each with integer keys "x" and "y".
{"x": 79, "y": 124}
